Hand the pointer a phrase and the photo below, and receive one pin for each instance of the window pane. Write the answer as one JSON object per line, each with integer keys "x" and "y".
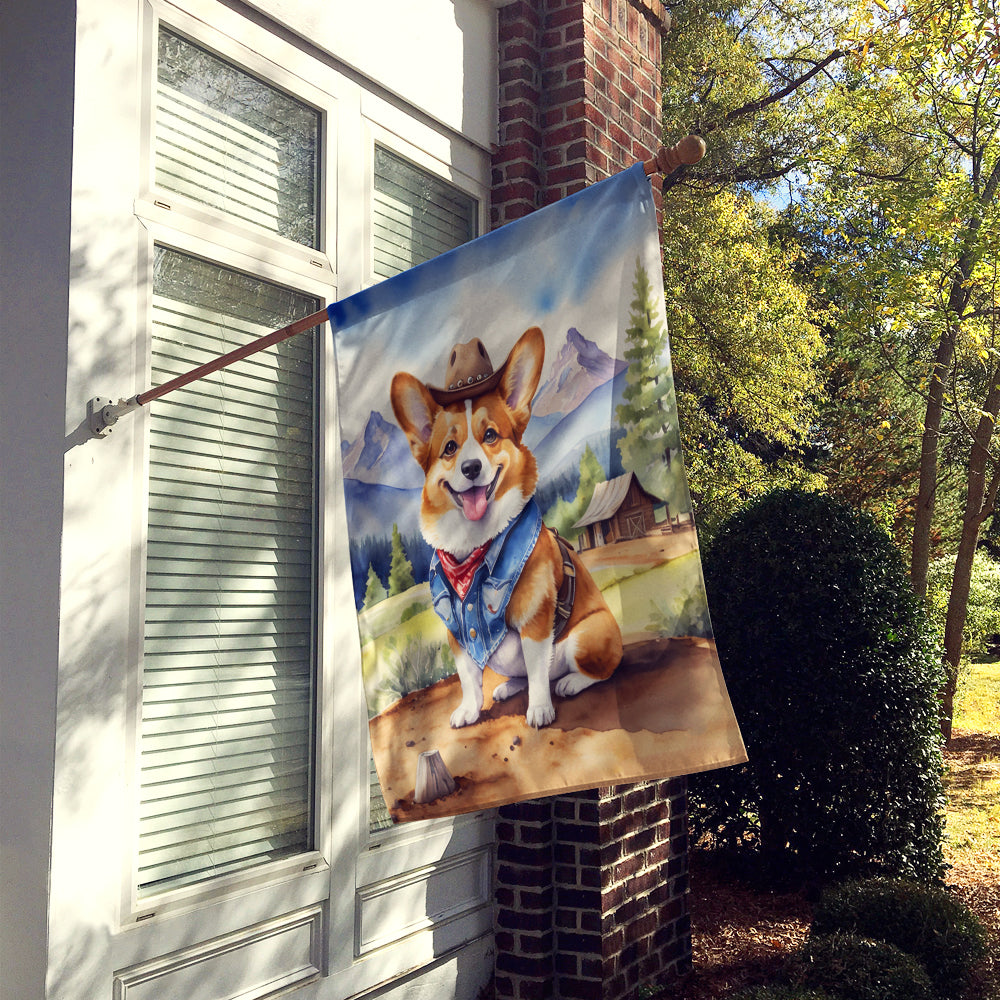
{"x": 416, "y": 215}
{"x": 228, "y": 679}
{"x": 228, "y": 140}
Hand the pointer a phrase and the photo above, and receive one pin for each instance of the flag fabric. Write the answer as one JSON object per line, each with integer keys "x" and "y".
{"x": 531, "y": 610}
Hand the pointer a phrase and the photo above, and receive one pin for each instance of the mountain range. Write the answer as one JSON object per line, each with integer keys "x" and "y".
{"x": 381, "y": 456}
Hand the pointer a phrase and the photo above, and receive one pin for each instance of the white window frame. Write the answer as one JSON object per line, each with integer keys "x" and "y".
{"x": 350, "y": 871}
{"x": 180, "y": 224}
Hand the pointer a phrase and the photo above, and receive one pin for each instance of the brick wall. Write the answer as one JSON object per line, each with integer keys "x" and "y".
{"x": 579, "y": 96}
{"x": 591, "y": 888}
{"x": 591, "y": 893}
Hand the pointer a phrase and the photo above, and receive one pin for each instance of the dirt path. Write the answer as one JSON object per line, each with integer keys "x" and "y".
{"x": 664, "y": 712}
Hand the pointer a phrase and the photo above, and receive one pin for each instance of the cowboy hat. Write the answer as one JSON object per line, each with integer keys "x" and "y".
{"x": 470, "y": 373}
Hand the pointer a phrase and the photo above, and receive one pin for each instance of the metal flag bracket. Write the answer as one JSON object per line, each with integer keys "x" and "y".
{"x": 103, "y": 413}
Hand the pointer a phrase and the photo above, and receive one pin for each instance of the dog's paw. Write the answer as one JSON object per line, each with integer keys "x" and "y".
{"x": 509, "y": 688}
{"x": 571, "y": 684}
{"x": 464, "y": 715}
{"x": 540, "y": 715}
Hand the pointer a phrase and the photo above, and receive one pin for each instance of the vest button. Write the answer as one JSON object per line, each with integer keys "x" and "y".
{"x": 472, "y": 633}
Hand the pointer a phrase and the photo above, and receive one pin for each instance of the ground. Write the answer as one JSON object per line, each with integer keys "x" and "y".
{"x": 664, "y": 712}
{"x": 742, "y": 935}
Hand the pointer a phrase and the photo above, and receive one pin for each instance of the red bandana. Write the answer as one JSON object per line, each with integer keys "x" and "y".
{"x": 460, "y": 574}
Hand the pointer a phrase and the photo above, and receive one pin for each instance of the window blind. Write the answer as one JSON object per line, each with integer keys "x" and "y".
{"x": 228, "y": 654}
{"x": 228, "y": 140}
{"x": 416, "y": 216}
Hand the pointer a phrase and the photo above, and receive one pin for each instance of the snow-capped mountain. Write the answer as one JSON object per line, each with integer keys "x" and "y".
{"x": 580, "y": 367}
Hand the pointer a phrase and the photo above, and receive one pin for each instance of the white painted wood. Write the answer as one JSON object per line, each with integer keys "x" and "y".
{"x": 78, "y": 533}
{"x": 253, "y": 964}
{"x": 438, "y": 55}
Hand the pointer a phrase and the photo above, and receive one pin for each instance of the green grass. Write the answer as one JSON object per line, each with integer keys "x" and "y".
{"x": 973, "y": 784}
{"x": 977, "y": 704}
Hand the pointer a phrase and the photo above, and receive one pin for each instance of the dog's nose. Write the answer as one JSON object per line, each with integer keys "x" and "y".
{"x": 471, "y": 468}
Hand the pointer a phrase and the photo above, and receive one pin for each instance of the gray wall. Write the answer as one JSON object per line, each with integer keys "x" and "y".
{"x": 36, "y": 129}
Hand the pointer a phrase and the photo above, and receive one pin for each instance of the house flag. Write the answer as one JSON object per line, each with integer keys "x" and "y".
{"x": 530, "y": 602}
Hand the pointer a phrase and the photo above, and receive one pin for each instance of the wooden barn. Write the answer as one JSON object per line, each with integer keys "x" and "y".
{"x": 619, "y": 510}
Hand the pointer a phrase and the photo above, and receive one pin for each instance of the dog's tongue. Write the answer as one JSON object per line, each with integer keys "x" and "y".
{"x": 474, "y": 502}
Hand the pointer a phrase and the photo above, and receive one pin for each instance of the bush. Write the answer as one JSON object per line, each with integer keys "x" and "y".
{"x": 856, "y": 968}
{"x": 925, "y": 922}
{"x": 782, "y": 993}
{"x": 982, "y": 619}
{"x": 833, "y": 673}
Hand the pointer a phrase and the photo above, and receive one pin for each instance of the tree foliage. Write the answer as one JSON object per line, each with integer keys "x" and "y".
{"x": 375, "y": 591}
{"x": 748, "y": 357}
{"x": 909, "y": 180}
{"x": 400, "y": 567}
{"x": 651, "y": 443}
{"x": 563, "y": 514}
{"x": 876, "y": 127}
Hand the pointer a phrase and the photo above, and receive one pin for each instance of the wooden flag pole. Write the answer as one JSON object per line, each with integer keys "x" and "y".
{"x": 103, "y": 413}
{"x": 687, "y": 152}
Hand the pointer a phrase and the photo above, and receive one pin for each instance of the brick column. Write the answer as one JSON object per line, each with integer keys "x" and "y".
{"x": 579, "y": 96}
{"x": 591, "y": 888}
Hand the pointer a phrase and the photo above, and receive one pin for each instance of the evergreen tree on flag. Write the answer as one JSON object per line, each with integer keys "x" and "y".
{"x": 375, "y": 592}
{"x": 647, "y": 415}
{"x": 401, "y": 569}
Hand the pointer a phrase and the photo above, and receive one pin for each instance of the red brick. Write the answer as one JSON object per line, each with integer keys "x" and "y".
{"x": 521, "y": 90}
{"x": 567, "y": 174}
{"x": 520, "y": 110}
{"x": 569, "y": 15}
{"x": 518, "y": 49}
{"x": 521, "y": 130}
{"x": 567, "y": 133}
{"x": 581, "y": 989}
{"x": 518, "y": 149}
{"x": 568, "y": 52}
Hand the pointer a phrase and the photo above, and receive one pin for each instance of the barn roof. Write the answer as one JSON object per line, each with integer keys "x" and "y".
{"x": 607, "y": 498}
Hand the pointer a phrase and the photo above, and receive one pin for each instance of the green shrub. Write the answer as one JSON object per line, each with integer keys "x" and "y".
{"x": 782, "y": 993}
{"x": 833, "y": 673}
{"x": 982, "y": 619}
{"x": 925, "y": 922}
{"x": 856, "y": 968}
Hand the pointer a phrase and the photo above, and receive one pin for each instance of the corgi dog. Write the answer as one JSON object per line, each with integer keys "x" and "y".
{"x": 513, "y": 595}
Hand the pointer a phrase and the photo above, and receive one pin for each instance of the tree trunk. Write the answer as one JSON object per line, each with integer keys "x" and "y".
{"x": 920, "y": 553}
{"x": 958, "y": 299}
{"x": 979, "y": 501}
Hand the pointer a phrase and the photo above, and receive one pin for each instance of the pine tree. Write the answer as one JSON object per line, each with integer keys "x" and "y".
{"x": 374, "y": 591}
{"x": 563, "y": 515}
{"x": 648, "y": 414}
{"x": 400, "y": 569}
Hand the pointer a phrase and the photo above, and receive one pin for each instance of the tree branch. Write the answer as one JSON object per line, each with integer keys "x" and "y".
{"x": 753, "y": 107}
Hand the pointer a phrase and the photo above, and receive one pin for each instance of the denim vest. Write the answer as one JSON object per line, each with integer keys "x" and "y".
{"x": 479, "y": 622}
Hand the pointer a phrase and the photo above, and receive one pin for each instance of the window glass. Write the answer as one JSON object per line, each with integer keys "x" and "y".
{"x": 416, "y": 215}
{"x": 228, "y": 140}
{"x": 228, "y": 657}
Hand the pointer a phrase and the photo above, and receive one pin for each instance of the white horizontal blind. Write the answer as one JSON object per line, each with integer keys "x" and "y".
{"x": 416, "y": 216}
{"x": 228, "y": 660}
{"x": 228, "y": 140}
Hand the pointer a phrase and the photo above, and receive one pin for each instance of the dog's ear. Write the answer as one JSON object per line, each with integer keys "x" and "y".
{"x": 521, "y": 375}
{"x": 415, "y": 410}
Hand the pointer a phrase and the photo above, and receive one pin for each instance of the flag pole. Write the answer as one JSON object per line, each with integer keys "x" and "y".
{"x": 103, "y": 413}
{"x": 687, "y": 152}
